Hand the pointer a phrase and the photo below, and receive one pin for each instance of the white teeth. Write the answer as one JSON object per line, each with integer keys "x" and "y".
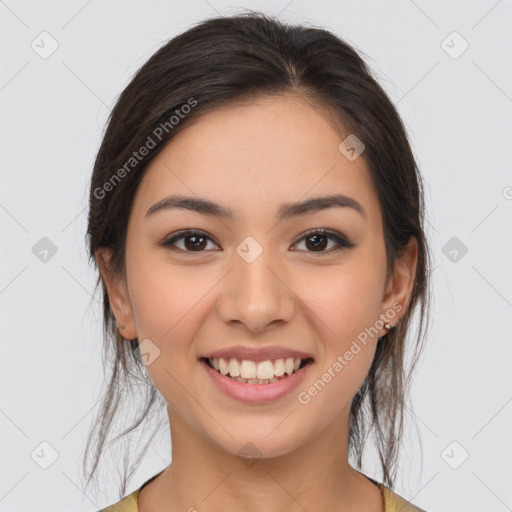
{"x": 223, "y": 367}
{"x": 234, "y": 368}
{"x": 279, "y": 368}
{"x": 265, "y": 370}
{"x": 248, "y": 369}
{"x": 288, "y": 366}
{"x": 256, "y": 372}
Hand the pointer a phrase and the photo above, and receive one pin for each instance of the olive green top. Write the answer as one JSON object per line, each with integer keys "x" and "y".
{"x": 392, "y": 502}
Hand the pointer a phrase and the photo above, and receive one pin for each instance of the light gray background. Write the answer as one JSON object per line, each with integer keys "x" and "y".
{"x": 53, "y": 112}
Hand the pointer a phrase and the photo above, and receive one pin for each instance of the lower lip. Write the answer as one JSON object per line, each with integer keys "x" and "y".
{"x": 256, "y": 393}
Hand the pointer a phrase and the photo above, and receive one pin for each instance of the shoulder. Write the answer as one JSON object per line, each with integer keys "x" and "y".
{"x": 395, "y": 503}
{"x": 127, "y": 504}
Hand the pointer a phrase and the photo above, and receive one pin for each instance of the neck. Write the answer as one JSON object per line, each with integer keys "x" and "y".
{"x": 314, "y": 476}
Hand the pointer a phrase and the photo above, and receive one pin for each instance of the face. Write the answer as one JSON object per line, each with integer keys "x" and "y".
{"x": 261, "y": 277}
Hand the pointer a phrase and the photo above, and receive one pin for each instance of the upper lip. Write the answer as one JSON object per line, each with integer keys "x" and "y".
{"x": 270, "y": 352}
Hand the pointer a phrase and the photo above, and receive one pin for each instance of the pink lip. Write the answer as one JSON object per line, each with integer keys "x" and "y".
{"x": 256, "y": 393}
{"x": 257, "y": 353}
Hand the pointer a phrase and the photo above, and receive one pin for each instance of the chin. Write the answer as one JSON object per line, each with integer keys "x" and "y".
{"x": 258, "y": 444}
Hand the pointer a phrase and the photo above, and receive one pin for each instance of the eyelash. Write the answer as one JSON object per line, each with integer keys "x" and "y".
{"x": 341, "y": 241}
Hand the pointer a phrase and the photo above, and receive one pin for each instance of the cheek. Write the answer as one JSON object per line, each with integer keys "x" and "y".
{"x": 163, "y": 306}
{"x": 164, "y": 298}
{"x": 344, "y": 309}
{"x": 170, "y": 305}
{"x": 345, "y": 300}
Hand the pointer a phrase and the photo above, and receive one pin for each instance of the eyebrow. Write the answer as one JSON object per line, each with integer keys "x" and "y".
{"x": 286, "y": 210}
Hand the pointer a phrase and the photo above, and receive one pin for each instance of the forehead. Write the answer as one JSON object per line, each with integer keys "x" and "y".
{"x": 257, "y": 154}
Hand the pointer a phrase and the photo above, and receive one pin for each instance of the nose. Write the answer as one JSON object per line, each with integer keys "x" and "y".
{"x": 256, "y": 294}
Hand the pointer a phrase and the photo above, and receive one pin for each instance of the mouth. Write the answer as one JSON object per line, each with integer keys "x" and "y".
{"x": 246, "y": 371}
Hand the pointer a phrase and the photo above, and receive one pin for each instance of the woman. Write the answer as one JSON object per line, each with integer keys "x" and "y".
{"x": 256, "y": 215}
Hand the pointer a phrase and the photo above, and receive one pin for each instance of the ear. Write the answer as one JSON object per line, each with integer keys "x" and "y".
{"x": 118, "y": 295}
{"x": 399, "y": 286}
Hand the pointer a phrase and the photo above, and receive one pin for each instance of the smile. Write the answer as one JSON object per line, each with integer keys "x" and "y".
{"x": 253, "y": 372}
{"x": 280, "y": 377}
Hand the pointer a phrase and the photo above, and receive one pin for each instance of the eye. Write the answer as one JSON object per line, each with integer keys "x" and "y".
{"x": 318, "y": 240}
{"x": 193, "y": 241}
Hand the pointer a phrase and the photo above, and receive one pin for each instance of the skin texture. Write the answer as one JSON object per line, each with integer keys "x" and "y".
{"x": 252, "y": 158}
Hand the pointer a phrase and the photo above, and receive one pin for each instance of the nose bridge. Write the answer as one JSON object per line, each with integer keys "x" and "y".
{"x": 253, "y": 292}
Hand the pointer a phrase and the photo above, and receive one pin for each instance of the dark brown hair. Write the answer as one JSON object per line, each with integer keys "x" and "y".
{"x": 216, "y": 63}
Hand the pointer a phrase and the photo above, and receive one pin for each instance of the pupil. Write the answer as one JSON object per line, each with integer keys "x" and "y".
{"x": 193, "y": 245}
{"x": 316, "y": 245}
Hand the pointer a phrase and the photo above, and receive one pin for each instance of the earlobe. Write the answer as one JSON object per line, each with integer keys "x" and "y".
{"x": 400, "y": 284}
{"x": 117, "y": 294}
